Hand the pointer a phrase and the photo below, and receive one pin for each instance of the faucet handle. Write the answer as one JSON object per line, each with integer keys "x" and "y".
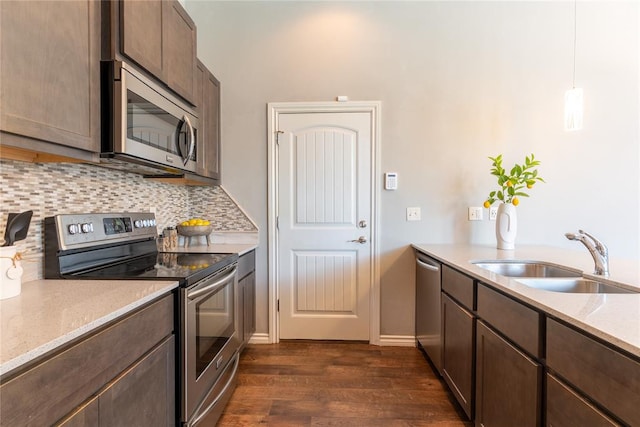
{"x": 600, "y": 247}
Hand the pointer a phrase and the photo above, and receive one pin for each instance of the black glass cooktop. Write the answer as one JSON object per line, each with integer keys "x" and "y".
{"x": 188, "y": 268}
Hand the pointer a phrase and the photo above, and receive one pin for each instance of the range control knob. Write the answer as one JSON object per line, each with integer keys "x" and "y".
{"x": 74, "y": 229}
{"x": 145, "y": 222}
{"x": 137, "y": 223}
{"x": 87, "y": 227}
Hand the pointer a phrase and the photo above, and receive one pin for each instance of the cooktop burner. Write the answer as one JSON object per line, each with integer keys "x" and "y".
{"x": 189, "y": 267}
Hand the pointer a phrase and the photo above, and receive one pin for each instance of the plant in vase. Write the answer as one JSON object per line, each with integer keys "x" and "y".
{"x": 512, "y": 185}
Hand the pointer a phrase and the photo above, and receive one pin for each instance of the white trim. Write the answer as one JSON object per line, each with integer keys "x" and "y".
{"x": 398, "y": 340}
{"x": 260, "y": 338}
{"x": 273, "y": 110}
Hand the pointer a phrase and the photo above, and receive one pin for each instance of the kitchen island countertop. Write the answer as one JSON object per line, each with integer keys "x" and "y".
{"x": 50, "y": 313}
{"x": 614, "y": 318}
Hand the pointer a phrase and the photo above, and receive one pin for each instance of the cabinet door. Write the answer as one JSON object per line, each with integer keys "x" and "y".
{"x": 145, "y": 393}
{"x": 179, "y": 50}
{"x": 457, "y": 352}
{"x": 50, "y": 71}
{"x": 508, "y": 383}
{"x": 566, "y": 409}
{"x": 86, "y": 415}
{"x": 249, "y": 306}
{"x": 141, "y": 34}
{"x": 209, "y": 115}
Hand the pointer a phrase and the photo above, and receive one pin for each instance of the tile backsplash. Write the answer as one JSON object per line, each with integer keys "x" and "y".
{"x": 54, "y": 188}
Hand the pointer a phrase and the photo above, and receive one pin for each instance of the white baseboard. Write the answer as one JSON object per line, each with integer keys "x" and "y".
{"x": 260, "y": 338}
{"x": 397, "y": 340}
{"x": 385, "y": 340}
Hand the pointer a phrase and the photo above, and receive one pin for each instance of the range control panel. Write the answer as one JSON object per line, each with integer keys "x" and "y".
{"x": 86, "y": 230}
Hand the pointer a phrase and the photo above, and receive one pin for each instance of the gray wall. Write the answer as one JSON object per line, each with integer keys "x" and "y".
{"x": 458, "y": 81}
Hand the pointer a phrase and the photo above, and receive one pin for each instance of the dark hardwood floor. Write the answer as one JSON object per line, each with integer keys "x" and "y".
{"x": 313, "y": 383}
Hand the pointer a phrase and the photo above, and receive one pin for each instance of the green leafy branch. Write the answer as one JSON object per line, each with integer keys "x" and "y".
{"x": 511, "y": 185}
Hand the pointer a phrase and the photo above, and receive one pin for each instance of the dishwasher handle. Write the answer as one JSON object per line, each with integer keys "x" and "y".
{"x": 422, "y": 262}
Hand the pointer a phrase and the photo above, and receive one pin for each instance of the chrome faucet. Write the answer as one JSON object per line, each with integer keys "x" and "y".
{"x": 596, "y": 248}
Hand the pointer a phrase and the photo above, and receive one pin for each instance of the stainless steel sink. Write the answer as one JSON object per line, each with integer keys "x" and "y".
{"x": 574, "y": 286}
{"x": 527, "y": 269}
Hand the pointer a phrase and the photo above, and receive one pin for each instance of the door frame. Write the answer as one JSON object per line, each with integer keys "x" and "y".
{"x": 274, "y": 110}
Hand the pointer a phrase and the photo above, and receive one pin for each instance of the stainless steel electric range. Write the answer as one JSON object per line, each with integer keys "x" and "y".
{"x": 122, "y": 246}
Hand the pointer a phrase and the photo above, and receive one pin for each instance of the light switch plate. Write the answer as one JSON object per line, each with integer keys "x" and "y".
{"x": 475, "y": 213}
{"x": 413, "y": 214}
{"x": 493, "y": 213}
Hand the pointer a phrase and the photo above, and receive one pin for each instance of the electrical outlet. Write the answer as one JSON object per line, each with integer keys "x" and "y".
{"x": 413, "y": 214}
{"x": 475, "y": 214}
{"x": 493, "y": 213}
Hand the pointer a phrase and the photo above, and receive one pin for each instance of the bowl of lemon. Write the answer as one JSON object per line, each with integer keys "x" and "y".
{"x": 195, "y": 227}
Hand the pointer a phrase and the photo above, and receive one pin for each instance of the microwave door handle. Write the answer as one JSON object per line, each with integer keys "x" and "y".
{"x": 192, "y": 141}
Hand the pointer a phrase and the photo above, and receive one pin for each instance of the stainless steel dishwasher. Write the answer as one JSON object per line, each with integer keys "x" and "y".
{"x": 428, "y": 318}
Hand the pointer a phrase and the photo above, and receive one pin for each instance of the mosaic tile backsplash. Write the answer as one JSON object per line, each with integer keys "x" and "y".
{"x": 54, "y": 188}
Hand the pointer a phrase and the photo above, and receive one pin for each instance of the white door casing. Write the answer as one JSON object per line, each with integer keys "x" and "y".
{"x": 322, "y": 193}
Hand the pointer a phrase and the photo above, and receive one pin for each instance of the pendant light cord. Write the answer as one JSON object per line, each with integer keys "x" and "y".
{"x": 575, "y": 37}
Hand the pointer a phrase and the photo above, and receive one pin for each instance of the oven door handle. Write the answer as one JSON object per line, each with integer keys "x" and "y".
{"x": 212, "y": 287}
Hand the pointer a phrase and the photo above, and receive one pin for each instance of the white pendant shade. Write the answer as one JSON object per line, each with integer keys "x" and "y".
{"x": 573, "y": 109}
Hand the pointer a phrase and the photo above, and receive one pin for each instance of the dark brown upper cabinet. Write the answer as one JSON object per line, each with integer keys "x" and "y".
{"x": 208, "y": 110}
{"x": 50, "y": 78}
{"x": 159, "y": 36}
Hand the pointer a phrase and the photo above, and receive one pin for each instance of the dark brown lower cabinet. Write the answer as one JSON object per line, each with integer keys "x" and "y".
{"x": 246, "y": 297}
{"x": 566, "y": 409}
{"x": 143, "y": 395}
{"x": 122, "y": 375}
{"x": 508, "y": 383}
{"x": 457, "y": 352}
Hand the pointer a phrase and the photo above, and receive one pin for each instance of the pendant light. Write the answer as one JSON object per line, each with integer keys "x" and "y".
{"x": 573, "y": 98}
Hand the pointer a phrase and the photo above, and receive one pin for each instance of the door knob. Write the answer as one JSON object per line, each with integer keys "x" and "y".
{"x": 360, "y": 240}
{"x": 362, "y": 224}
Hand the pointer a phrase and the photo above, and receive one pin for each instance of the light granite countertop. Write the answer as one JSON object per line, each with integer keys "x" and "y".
{"x": 614, "y": 318}
{"x": 51, "y": 313}
{"x": 217, "y": 248}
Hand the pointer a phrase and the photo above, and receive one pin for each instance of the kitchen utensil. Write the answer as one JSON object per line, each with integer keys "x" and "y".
{"x": 17, "y": 227}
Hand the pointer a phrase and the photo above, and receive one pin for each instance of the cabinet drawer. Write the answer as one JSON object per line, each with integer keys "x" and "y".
{"x": 566, "y": 409}
{"x": 246, "y": 264}
{"x": 608, "y": 377}
{"x": 513, "y": 319}
{"x": 459, "y": 286}
{"x": 61, "y": 383}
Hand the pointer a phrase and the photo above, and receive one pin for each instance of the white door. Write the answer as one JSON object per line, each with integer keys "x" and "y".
{"x": 324, "y": 222}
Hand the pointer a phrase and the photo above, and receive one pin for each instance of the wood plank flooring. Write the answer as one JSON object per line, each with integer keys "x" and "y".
{"x": 320, "y": 383}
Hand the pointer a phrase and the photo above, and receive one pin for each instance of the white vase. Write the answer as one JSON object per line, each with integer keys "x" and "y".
{"x": 10, "y": 273}
{"x": 506, "y": 226}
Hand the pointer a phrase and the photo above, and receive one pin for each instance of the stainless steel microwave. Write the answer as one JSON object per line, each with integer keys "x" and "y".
{"x": 145, "y": 128}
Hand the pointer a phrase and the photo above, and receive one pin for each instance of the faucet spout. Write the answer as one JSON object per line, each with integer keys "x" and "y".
{"x": 597, "y": 249}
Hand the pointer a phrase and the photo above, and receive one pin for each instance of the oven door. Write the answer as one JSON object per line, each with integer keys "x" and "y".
{"x": 209, "y": 338}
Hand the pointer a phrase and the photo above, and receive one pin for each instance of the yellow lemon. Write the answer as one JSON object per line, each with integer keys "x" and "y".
{"x": 192, "y": 222}
{"x": 205, "y": 222}
{"x": 184, "y": 223}
{"x": 515, "y": 201}
{"x": 530, "y": 185}
{"x": 509, "y": 184}
{"x": 487, "y": 204}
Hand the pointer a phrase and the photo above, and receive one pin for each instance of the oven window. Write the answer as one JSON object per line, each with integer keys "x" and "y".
{"x": 151, "y": 125}
{"x": 214, "y": 326}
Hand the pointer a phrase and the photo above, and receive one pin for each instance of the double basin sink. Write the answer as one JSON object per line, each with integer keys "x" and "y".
{"x": 550, "y": 277}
